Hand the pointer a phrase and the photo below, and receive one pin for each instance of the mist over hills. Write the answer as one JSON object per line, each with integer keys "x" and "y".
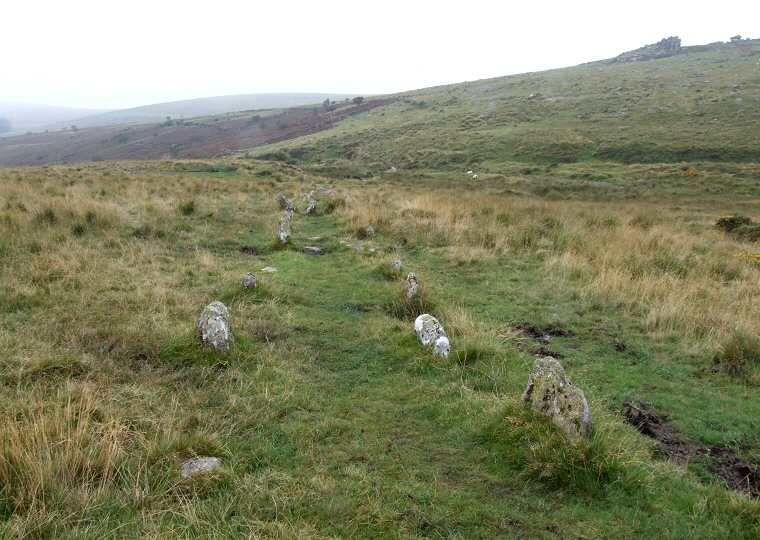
{"x": 25, "y": 116}
{"x": 661, "y": 103}
{"x": 38, "y": 117}
{"x": 190, "y": 108}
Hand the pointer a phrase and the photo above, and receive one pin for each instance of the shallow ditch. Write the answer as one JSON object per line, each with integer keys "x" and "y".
{"x": 542, "y": 338}
{"x": 721, "y": 461}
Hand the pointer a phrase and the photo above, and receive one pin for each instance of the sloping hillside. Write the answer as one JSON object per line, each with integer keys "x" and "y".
{"x": 191, "y": 108}
{"x": 700, "y": 104}
{"x": 196, "y": 138}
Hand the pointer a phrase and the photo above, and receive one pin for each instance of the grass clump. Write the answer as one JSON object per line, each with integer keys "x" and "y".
{"x": 405, "y": 308}
{"x": 46, "y": 217}
{"x": 336, "y": 203}
{"x": 187, "y": 208}
{"x": 741, "y": 350}
{"x": 57, "y": 449}
{"x": 472, "y": 351}
{"x": 525, "y": 443}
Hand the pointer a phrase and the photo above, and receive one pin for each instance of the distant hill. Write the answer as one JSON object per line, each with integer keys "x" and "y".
{"x": 198, "y": 137}
{"x": 191, "y": 108}
{"x": 661, "y": 103}
{"x": 28, "y": 116}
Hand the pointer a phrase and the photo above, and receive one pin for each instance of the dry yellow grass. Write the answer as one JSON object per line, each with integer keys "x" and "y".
{"x": 671, "y": 268}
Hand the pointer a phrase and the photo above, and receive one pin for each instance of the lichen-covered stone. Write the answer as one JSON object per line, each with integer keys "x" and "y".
{"x": 551, "y": 393}
{"x": 432, "y": 334}
{"x": 314, "y": 250}
{"x": 410, "y": 285}
{"x": 397, "y": 264}
{"x": 370, "y": 231}
{"x": 312, "y": 208}
{"x": 285, "y": 203}
{"x": 269, "y": 269}
{"x": 250, "y": 281}
{"x": 199, "y": 465}
{"x": 284, "y": 232}
{"x": 214, "y": 327}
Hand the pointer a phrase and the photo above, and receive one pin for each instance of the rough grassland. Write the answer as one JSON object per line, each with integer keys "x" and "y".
{"x": 703, "y": 105}
{"x": 330, "y": 418}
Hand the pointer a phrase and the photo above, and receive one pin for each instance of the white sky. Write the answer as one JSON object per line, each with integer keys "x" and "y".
{"x": 102, "y": 54}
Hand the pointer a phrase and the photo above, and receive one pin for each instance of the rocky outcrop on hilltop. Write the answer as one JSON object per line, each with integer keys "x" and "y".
{"x": 668, "y": 46}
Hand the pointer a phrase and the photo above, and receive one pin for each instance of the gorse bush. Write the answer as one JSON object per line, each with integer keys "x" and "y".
{"x": 750, "y": 256}
{"x": 731, "y": 223}
{"x": 740, "y": 227}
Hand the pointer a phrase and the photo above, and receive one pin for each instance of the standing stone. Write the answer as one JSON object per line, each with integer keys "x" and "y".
{"x": 357, "y": 247}
{"x": 250, "y": 281}
{"x": 285, "y": 203}
{"x": 314, "y": 250}
{"x": 312, "y": 208}
{"x": 284, "y": 232}
{"x": 370, "y": 231}
{"x": 199, "y": 465}
{"x": 431, "y": 333}
{"x": 397, "y": 264}
{"x": 214, "y": 326}
{"x": 410, "y": 285}
{"x": 550, "y": 392}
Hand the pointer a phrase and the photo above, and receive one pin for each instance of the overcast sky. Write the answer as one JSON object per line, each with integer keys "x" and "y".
{"x": 99, "y": 54}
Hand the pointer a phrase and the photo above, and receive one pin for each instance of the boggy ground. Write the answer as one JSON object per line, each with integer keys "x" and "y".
{"x": 330, "y": 418}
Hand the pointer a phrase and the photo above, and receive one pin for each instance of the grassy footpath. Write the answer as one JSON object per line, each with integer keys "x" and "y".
{"x": 331, "y": 420}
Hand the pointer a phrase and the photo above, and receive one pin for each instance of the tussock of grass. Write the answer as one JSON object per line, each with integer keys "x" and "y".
{"x": 526, "y": 443}
{"x": 53, "y": 449}
{"x": 404, "y": 308}
{"x": 742, "y": 349}
{"x": 386, "y": 272}
{"x": 472, "y": 351}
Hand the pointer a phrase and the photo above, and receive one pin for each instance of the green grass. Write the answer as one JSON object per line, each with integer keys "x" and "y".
{"x": 695, "y": 107}
{"x": 330, "y": 418}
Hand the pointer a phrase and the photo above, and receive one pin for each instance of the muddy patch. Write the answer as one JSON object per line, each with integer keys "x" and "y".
{"x": 721, "y": 461}
{"x": 542, "y": 337}
{"x": 543, "y": 351}
{"x": 737, "y": 474}
{"x": 650, "y": 424}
